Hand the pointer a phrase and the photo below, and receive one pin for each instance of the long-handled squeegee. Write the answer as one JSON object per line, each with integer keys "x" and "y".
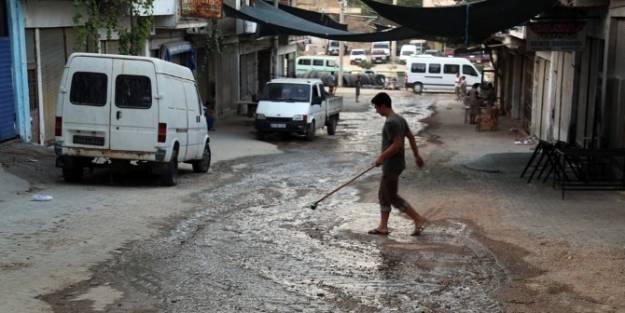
{"x": 314, "y": 205}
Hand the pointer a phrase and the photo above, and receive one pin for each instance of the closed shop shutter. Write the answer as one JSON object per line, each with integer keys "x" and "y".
{"x": 528, "y": 88}
{"x": 52, "y": 64}
{"x": 247, "y": 76}
{"x": 7, "y": 104}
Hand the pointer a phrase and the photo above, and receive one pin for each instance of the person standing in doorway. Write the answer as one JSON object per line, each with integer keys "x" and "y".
{"x": 393, "y": 163}
{"x": 358, "y": 84}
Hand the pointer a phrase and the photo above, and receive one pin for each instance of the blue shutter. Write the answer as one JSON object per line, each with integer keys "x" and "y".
{"x": 7, "y": 103}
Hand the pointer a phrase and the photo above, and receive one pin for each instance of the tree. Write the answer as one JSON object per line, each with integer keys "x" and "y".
{"x": 94, "y": 16}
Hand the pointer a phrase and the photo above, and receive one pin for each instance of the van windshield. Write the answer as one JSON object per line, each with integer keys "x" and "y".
{"x": 380, "y": 46}
{"x": 287, "y": 92}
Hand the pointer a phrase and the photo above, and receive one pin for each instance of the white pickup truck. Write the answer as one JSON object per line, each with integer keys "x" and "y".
{"x": 297, "y": 105}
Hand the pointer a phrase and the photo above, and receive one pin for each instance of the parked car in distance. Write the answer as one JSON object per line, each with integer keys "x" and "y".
{"x": 420, "y": 44}
{"x": 428, "y": 73}
{"x": 433, "y": 52}
{"x": 379, "y": 56}
{"x": 334, "y": 46}
{"x": 406, "y": 52}
{"x": 297, "y": 105}
{"x": 124, "y": 108}
{"x": 357, "y": 56}
{"x": 322, "y": 64}
{"x": 384, "y": 46}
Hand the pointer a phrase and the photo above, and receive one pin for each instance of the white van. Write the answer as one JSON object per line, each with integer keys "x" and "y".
{"x": 123, "y": 108}
{"x": 406, "y": 52}
{"x": 428, "y": 73}
{"x": 322, "y": 64}
{"x": 383, "y": 46}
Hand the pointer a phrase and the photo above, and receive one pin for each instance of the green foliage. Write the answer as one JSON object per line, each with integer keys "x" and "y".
{"x": 95, "y": 16}
{"x": 366, "y": 64}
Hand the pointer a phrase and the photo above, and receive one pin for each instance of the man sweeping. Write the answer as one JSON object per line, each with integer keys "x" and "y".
{"x": 393, "y": 163}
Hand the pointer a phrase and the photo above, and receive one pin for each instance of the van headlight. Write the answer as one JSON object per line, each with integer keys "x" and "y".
{"x": 260, "y": 116}
{"x": 299, "y": 117}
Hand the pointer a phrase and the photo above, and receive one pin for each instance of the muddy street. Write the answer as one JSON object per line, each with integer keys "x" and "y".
{"x": 257, "y": 247}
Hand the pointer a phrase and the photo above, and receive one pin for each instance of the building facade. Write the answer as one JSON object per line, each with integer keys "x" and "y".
{"x": 572, "y": 95}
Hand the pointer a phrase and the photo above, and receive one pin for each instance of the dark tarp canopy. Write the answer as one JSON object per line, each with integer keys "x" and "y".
{"x": 319, "y": 18}
{"x": 284, "y": 23}
{"x": 473, "y": 22}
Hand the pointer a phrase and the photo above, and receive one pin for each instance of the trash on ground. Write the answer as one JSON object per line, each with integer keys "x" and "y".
{"x": 42, "y": 197}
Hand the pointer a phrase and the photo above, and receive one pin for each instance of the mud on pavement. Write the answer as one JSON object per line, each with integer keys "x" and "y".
{"x": 256, "y": 247}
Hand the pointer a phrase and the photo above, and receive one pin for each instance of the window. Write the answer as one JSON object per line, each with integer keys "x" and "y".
{"x": 287, "y": 92}
{"x": 468, "y": 70}
{"x": 451, "y": 69}
{"x": 435, "y": 68}
{"x": 317, "y": 62}
{"x": 331, "y": 63}
{"x": 315, "y": 94}
{"x": 418, "y": 67}
{"x": 133, "y": 91}
{"x": 304, "y": 62}
{"x": 88, "y": 89}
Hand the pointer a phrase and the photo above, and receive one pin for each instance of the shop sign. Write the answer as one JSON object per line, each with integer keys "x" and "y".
{"x": 201, "y": 8}
{"x": 556, "y": 36}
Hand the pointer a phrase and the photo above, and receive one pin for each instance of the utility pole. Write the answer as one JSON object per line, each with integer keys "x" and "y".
{"x": 276, "y": 45}
{"x": 342, "y": 4}
{"x": 394, "y": 45}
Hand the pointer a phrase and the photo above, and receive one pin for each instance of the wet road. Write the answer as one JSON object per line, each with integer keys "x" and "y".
{"x": 257, "y": 247}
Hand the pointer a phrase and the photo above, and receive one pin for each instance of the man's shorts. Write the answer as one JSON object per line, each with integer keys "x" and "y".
{"x": 387, "y": 194}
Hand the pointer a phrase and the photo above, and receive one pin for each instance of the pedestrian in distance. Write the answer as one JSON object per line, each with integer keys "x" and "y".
{"x": 473, "y": 101}
{"x": 358, "y": 84}
{"x": 457, "y": 86}
{"x": 331, "y": 83}
{"x": 393, "y": 162}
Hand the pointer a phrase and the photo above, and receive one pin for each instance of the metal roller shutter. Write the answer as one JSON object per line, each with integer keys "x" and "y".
{"x": 7, "y": 103}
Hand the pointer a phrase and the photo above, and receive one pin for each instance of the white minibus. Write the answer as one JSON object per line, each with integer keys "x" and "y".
{"x": 428, "y": 73}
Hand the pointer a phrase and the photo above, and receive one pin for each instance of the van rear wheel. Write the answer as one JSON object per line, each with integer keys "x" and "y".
{"x": 169, "y": 177}
{"x": 72, "y": 170}
{"x": 202, "y": 165}
{"x": 418, "y": 88}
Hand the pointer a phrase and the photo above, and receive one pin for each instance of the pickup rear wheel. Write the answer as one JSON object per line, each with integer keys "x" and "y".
{"x": 202, "y": 165}
{"x": 331, "y": 127}
{"x": 310, "y": 131}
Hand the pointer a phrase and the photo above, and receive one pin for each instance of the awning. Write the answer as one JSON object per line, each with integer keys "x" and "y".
{"x": 319, "y": 18}
{"x": 472, "y": 22}
{"x": 179, "y": 47}
{"x": 285, "y": 23}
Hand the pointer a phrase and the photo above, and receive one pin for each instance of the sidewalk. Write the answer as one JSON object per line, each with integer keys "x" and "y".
{"x": 559, "y": 253}
{"x": 47, "y": 246}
